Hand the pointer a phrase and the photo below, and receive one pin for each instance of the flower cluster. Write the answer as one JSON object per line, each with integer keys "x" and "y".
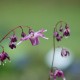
{"x": 23, "y": 34}
{"x": 32, "y": 36}
{"x": 65, "y": 32}
{"x": 34, "y": 39}
{"x": 58, "y": 34}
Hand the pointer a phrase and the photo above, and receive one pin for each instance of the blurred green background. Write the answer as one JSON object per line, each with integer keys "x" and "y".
{"x": 27, "y": 61}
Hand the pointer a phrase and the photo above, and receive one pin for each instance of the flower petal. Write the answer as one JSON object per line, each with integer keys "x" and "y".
{"x": 45, "y": 38}
{"x": 41, "y": 31}
{"x": 34, "y": 41}
{"x": 37, "y": 41}
{"x": 19, "y": 42}
{"x": 42, "y": 35}
{"x": 23, "y": 39}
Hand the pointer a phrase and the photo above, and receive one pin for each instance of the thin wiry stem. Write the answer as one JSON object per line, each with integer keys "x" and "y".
{"x": 59, "y": 22}
{"x": 13, "y": 31}
{"x": 2, "y": 47}
{"x": 53, "y": 49}
{"x": 55, "y": 28}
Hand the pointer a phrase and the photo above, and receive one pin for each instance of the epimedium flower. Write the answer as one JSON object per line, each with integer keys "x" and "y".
{"x": 34, "y": 36}
{"x": 58, "y": 73}
{"x": 13, "y": 38}
{"x": 56, "y": 34}
{"x": 64, "y": 52}
{"x": 4, "y": 56}
{"x": 12, "y": 45}
{"x": 58, "y": 37}
{"x": 66, "y": 31}
{"x": 23, "y": 34}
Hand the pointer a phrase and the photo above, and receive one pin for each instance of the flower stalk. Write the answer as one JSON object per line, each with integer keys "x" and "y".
{"x": 55, "y": 29}
{"x": 58, "y": 34}
{"x": 32, "y": 36}
{"x": 2, "y": 47}
{"x": 13, "y": 31}
{"x": 13, "y": 40}
{"x": 53, "y": 48}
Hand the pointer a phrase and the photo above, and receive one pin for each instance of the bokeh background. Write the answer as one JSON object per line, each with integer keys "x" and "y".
{"x": 27, "y": 61}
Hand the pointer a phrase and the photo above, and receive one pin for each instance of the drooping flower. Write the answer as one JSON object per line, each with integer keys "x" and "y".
{"x": 58, "y": 38}
{"x": 12, "y": 45}
{"x": 23, "y": 34}
{"x": 58, "y": 73}
{"x": 66, "y": 31}
{"x": 64, "y": 52}
{"x": 4, "y": 56}
{"x": 34, "y": 36}
{"x": 13, "y": 38}
{"x": 56, "y": 34}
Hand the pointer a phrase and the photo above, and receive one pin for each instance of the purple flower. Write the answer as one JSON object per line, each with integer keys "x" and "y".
{"x": 58, "y": 38}
{"x": 12, "y": 45}
{"x": 13, "y": 38}
{"x": 34, "y": 36}
{"x": 64, "y": 52}
{"x": 58, "y": 73}
{"x": 23, "y": 34}
{"x": 4, "y": 56}
{"x": 56, "y": 34}
{"x": 66, "y": 32}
